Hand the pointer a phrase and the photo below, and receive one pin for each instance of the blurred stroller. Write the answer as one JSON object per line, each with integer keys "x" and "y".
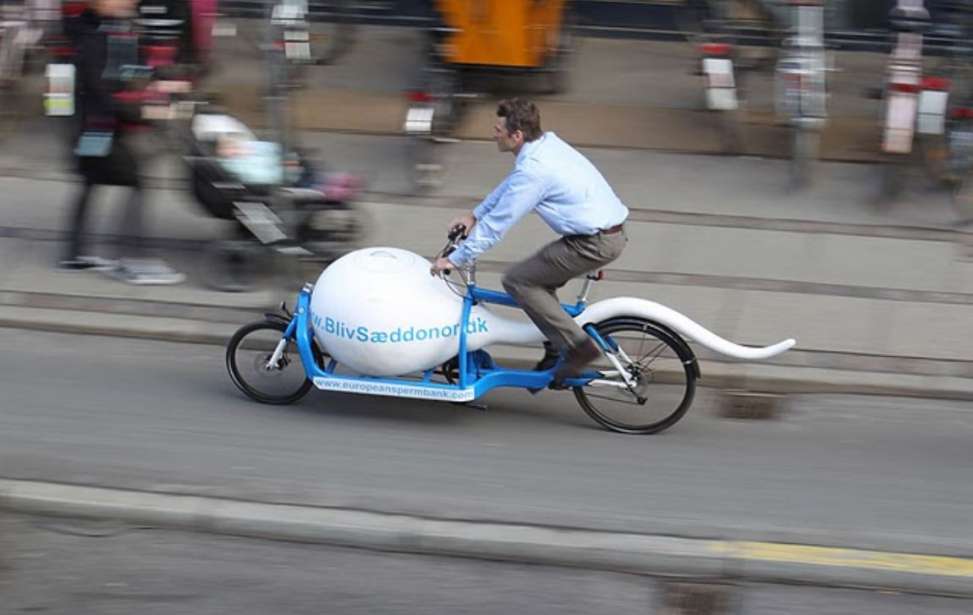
{"x": 279, "y": 203}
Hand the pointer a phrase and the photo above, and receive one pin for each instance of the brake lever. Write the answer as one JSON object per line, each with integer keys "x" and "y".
{"x": 457, "y": 232}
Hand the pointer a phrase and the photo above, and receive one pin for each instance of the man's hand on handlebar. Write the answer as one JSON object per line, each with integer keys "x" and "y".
{"x": 441, "y": 266}
{"x": 467, "y": 221}
{"x": 457, "y": 232}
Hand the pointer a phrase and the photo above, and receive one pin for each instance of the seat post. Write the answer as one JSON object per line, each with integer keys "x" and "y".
{"x": 589, "y": 280}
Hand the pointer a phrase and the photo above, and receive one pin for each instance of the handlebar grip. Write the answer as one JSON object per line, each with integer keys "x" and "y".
{"x": 456, "y": 232}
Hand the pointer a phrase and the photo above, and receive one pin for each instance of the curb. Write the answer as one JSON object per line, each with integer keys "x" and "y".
{"x": 740, "y": 376}
{"x": 645, "y": 554}
{"x": 764, "y": 378}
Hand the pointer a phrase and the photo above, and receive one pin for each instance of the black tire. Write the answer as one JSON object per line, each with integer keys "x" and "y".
{"x": 666, "y": 375}
{"x": 254, "y": 352}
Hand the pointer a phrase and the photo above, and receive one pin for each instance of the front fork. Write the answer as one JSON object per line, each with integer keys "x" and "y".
{"x": 285, "y": 316}
{"x": 274, "y": 361}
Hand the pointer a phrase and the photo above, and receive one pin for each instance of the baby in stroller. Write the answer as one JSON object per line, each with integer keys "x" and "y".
{"x": 278, "y": 202}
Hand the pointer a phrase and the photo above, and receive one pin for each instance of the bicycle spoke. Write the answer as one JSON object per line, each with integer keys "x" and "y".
{"x": 657, "y": 351}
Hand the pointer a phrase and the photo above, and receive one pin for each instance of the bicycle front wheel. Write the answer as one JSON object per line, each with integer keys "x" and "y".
{"x": 661, "y": 367}
{"x": 247, "y": 359}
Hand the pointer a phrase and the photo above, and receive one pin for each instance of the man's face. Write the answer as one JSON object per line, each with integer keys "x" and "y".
{"x": 506, "y": 141}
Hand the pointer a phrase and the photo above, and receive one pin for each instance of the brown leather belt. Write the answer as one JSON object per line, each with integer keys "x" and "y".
{"x": 618, "y": 228}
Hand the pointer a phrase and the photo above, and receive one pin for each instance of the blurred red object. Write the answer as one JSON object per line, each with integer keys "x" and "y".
{"x": 341, "y": 186}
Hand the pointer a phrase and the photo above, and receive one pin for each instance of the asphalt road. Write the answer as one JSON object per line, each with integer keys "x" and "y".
{"x": 865, "y": 472}
{"x": 70, "y": 567}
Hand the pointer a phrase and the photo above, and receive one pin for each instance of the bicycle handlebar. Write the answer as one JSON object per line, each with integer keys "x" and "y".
{"x": 453, "y": 238}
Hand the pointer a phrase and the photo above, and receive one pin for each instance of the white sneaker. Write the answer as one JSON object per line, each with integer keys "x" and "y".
{"x": 97, "y": 263}
{"x": 146, "y": 272}
{"x": 86, "y": 263}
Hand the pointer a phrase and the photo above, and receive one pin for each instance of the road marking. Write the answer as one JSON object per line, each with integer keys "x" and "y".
{"x": 849, "y": 558}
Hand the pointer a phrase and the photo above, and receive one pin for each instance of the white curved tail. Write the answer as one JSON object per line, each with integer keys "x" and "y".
{"x": 631, "y": 306}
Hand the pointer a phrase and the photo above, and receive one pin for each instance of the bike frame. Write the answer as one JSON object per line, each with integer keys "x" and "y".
{"x": 478, "y": 374}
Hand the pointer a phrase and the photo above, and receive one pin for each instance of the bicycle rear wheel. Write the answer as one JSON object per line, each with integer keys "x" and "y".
{"x": 664, "y": 372}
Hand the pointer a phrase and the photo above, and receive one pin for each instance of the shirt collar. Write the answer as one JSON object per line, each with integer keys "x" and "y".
{"x": 529, "y": 147}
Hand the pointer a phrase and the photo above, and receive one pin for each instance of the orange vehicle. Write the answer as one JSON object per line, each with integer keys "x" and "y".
{"x": 474, "y": 41}
{"x": 501, "y": 33}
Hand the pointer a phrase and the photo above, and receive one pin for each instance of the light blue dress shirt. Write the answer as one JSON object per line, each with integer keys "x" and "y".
{"x": 567, "y": 191}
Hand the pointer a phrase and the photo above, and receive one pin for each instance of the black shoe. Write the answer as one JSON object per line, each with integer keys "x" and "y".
{"x": 75, "y": 264}
{"x": 575, "y": 362}
{"x": 547, "y": 362}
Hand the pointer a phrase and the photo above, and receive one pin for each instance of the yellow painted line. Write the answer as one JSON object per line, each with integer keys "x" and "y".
{"x": 847, "y": 558}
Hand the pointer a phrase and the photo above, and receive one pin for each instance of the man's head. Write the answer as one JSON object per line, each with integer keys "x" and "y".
{"x": 518, "y": 122}
{"x": 118, "y": 9}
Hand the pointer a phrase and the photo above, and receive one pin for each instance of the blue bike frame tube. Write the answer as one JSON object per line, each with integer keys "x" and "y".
{"x": 464, "y": 320}
{"x": 606, "y": 344}
{"x": 289, "y": 331}
{"x": 299, "y": 327}
{"x": 499, "y": 298}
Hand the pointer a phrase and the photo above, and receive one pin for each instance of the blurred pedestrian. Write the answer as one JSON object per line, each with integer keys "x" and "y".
{"x": 105, "y": 157}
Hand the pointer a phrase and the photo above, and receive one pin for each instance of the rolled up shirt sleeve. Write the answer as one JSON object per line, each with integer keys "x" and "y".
{"x": 519, "y": 194}
{"x": 490, "y": 201}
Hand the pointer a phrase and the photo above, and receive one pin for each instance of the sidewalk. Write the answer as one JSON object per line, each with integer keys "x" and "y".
{"x": 880, "y": 298}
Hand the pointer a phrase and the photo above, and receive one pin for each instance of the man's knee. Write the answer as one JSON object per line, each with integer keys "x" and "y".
{"x": 516, "y": 283}
{"x": 512, "y": 283}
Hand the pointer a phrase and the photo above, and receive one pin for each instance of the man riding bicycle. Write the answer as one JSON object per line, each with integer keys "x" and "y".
{"x": 573, "y": 198}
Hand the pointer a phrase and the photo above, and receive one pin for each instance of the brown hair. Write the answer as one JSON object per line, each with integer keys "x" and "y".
{"x": 521, "y": 115}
